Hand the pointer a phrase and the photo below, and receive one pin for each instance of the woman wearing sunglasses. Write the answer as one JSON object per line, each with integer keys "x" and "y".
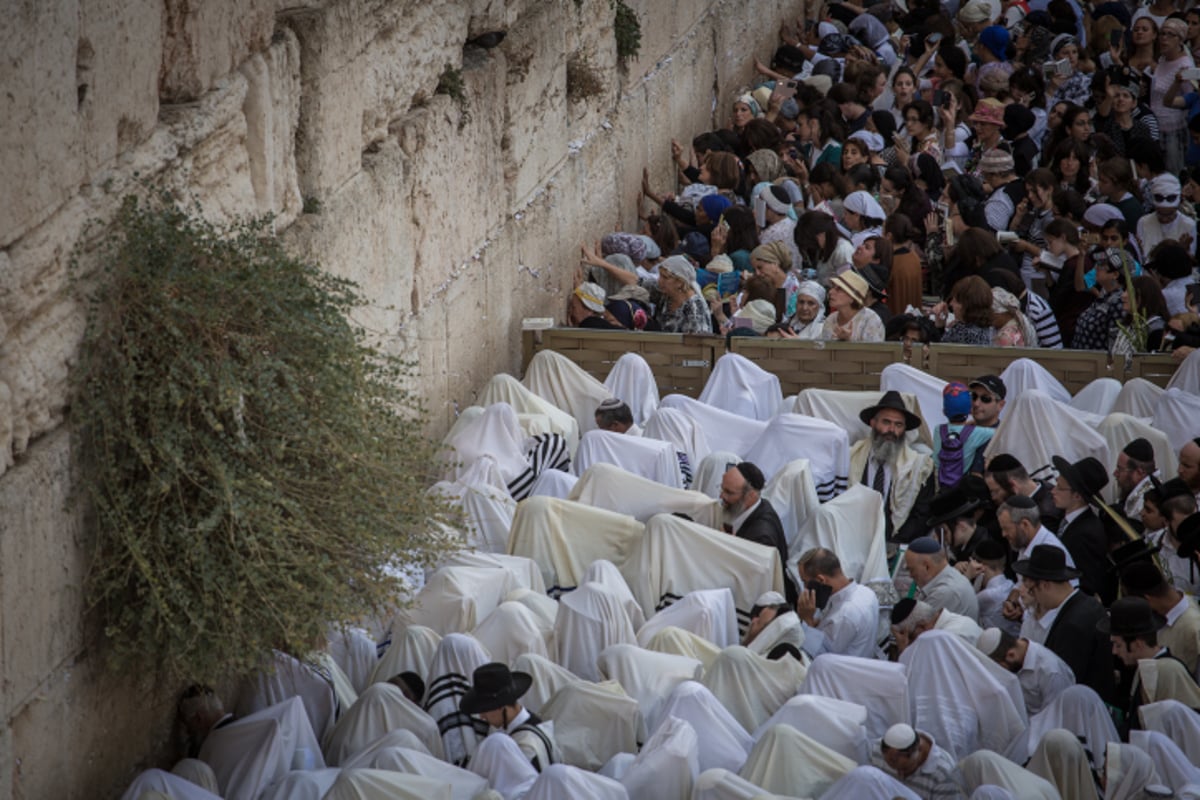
{"x": 1166, "y": 222}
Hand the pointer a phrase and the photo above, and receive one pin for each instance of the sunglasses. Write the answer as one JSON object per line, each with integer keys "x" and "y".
{"x": 1165, "y": 198}
{"x": 981, "y": 398}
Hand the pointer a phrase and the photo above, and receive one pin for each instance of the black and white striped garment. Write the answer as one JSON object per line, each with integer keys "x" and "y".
{"x": 1043, "y": 321}
{"x": 547, "y": 451}
{"x": 831, "y": 488}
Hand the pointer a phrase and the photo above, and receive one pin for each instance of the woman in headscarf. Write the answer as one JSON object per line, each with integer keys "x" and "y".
{"x": 1168, "y": 106}
{"x": 874, "y": 34}
{"x": 992, "y": 51}
{"x": 1074, "y": 87}
{"x": 679, "y": 306}
{"x": 764, "y": 166}
{"x": 1096, "y": 322}
{"x": 773, "y": 261}
{"x": 810, "y": 311}
{"x": 745, "y": 108}
{"x": 1013, "y": 328}
{"x": 849, "y": 319}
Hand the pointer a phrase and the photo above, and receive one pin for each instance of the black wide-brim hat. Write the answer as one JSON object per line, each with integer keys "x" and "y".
{"x": 951, "y": 504}
{"x": 891, "y": 400}
{"x": 1046, "y": 563}
{"x": 1130, "y": 616}
{"x": 494, "y": 686}
{"x": 1188, "y": 534}
{"x": 1086, "y": 476}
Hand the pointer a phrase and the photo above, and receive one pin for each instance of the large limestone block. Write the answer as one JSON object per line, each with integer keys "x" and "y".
{"x": 272, "y": 111}
{"x": 205, "y": 41}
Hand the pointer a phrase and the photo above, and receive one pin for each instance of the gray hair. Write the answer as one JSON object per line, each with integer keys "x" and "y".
{"x": 1022, "y": 513}
{"x": 921, "y": 614}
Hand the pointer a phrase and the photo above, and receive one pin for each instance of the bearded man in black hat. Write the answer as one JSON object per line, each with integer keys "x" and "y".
{"x": 1135, "y": 469}
{"x": 885, "y": 462}
{"x": 494, "y": 696}
{"x": 1064, "y": 618}
{"x": 1082, "y": 533}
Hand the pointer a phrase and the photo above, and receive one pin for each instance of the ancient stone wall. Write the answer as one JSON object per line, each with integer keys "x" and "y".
{"x": 457, "y": 218}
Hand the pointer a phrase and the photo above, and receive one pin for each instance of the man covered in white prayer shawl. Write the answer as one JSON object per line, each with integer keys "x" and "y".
{"x": 775, "y": 629}
{"x": 910, "y": 618}
{"x": 913, "y": 758}
{"x": 495, "y": 695}
{"x": 849, "y": 612}
{"x": 939, "y": 584}
{"x": 199, "y": 712}
{"x": 1043, "y": 675}
{"x": 616, "y": 416}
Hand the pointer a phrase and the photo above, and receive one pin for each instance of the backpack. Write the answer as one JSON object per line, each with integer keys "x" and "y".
{"x": 950, "y": 458}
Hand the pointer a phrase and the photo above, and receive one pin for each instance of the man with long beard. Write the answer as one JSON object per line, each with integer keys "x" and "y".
{"x": 886, "y": 463}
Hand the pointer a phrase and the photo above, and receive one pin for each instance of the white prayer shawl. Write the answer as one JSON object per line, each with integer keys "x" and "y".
{"x": 504, "y": 388}
{"x": 879, "y": 686}
{"x": 1176, "y": 721}
{"x": 593, "y": 722}
{"x": 988, "y": 768}
{"x": 722, "y": 784}
{"x": 724, "y": 741}
{"x": 1187, "y": 375}
{"x": 650, "y": 458}
{"x": 1061, "y": 760}
{"x": 1138, "y": 398}
{"x": 837, "y": 724}
{"x": 961, "y": 697}
{"x": 1177, "y": 414}
{"x": 501, "y": 763}
{"x": 1168, "y": 679}
{"x": 723, "y": 429}
{"x": 564, "y": 537}
{"x": 684, "y": 643}
{"x": 1098, "y": 397}
{"x": 607, "y": 575}
{"x": 301, "y": 785}
{"x": 909, "y": 473}
{"x": 1077, "y": 709}
{"x": 397, "y": 738}
{"x": 494, "y": 434}
{"x": 1128, "y": 770}
{"x": 1036, "y": 427}
{"x": 869, "y": 783}
{"x": 288, "y": 677}
{"x": 740, "y": 386}
{"x": 543, "y": 608}
{"x": 610, "y": 487}
{"x": 707, "y": 477}
{"x": 380, "y": 784}
{"x": 667, "y": 766}
{"x": 783, "y": 629}
{"x": 647, "y": 676}
{"x": 251, "y": 753}
{"x": 824, "y": 444}
{"x": 356, "y": 655}
{"x": 464, "y": 785}
{"x": 617, "y": 766}
{"x": 676, "y": 556}
{"x": 458, "y": 598}
{"x": 1170, "y": 762}
{"x": 632, "y": 382}
{"x": 708, "y": 613}
{"x": 1024, "y": 374}
{"x": 524, "y": 570}
{"x": 487, "y": 510}
{"x": 963, "y": 627}
{"x": 925, "y": 387}
{"x": 842, "y": 408}
{"x": 988, "y": 792}
{"x": 853, "y": 527}
{"x": 167, "y": 784}
{"x": 411, "y": 650}
{"x": 750, "y": 686}
{"x": 786, "y": 760}
{"x": 509, "y": 631}
{"x": 343, "y": 689}
{"x": 556, "y": 378}
{"x": 674, "y": 426}
{"x": 590, "y": 619}
{"x": 454, "y": 664}
{"x": 381, "y": 709}
{"x": 793, "y": 495}
{"x": 553, "y": 483}
{"x": 1119, "y": 430}
{"x": 560, "y": 781}
{"x": 548, "y": 678}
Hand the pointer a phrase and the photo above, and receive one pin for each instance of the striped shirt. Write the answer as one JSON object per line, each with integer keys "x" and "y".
{"x": 1043, "y": 321}
{"x": 937, "y": 779}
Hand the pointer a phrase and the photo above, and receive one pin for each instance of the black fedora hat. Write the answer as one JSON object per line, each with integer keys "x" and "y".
{"x": 1188, "y": 535}
{"x": 1046, "y": 563}
{"x": 1130, "y": 616}
{"x": 493, "y": 686}
{"x": 891, "y": 400}
{"x": 951, "y": 504}
{"x": 1086, "y": 476}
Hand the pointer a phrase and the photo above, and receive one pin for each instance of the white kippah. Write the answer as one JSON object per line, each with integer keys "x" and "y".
{"x": 988, "y": 641}
{"x": 900, "y": 736}
{"x": 770, "y": 599}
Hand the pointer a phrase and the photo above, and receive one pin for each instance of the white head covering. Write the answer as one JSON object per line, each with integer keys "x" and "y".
{"x": 1165, "y": 185}
{"x": 984, "y": 767}
{"x": 724, "y": 742}
{"x": 760, "y": 314}
{"x": 1081, "y": 711}
{"x": 458, "y": 656}
{"x": 785, "y": 760}
{"x": 838, "y": 724}
{"x": 1129, "y": 770}
{"x": 381, "y": 708}
{"x": 1061, "y": 759}
{"x": 1170, "y": 762}
{"x": 1100, "y": 214}
{"x": 592, "y": 296}
{"x": 666, "y": 767}
{"x": 682, "y": 268}
{"x": 814, "y": 290}
{"x": 510, "y": 630}
{"x": 500, "y": 761}
{"x": 869, "y": 783}
{"x": 763, "y": 198}
{"x": 750, "y": 686}
{"x": 495, "y": 434}
{"x": 862, "y": 203}
{"x": 871, "y": 140}
{"x": 590, "y": 619}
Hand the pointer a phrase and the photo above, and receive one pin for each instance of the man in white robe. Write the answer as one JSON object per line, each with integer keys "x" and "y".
{"x": 1043, "y": 675}
{"x": 849, "y": 611}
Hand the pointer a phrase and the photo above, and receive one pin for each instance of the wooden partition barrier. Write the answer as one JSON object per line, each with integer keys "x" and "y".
{"x": 826, "y": 365}
{"x": 962, "y": 362}
{"x": 1156, "y": 368}
{"x": 681, "y": 362}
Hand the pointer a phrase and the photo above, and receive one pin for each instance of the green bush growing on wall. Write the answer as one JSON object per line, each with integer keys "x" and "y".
{"x": 257, "y": 470}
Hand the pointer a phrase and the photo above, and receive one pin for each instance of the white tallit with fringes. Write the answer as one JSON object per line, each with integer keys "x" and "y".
{"x": 632, "y": 382}
{"x": 908, "y": 474}
{"x": 824, "y": 444}
{"x": 741, "y": 387}
{"x": 609, "y": 486}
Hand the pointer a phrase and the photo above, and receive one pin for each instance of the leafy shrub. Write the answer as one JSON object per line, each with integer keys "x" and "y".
{"x": 256, "y": 470}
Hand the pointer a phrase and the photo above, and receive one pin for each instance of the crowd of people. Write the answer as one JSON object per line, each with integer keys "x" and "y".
{"x": 995, "y": 173}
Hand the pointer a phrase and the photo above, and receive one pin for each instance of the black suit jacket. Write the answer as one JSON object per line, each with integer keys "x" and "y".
{"x": 1088, "y": 652}
{"x": 763, "y": 527}
{"x": 1051, "y": 516}
{"x": 1087, "y": 543}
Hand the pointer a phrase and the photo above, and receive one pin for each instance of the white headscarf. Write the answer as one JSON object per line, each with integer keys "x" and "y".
{"x": 1003, "y": 301}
